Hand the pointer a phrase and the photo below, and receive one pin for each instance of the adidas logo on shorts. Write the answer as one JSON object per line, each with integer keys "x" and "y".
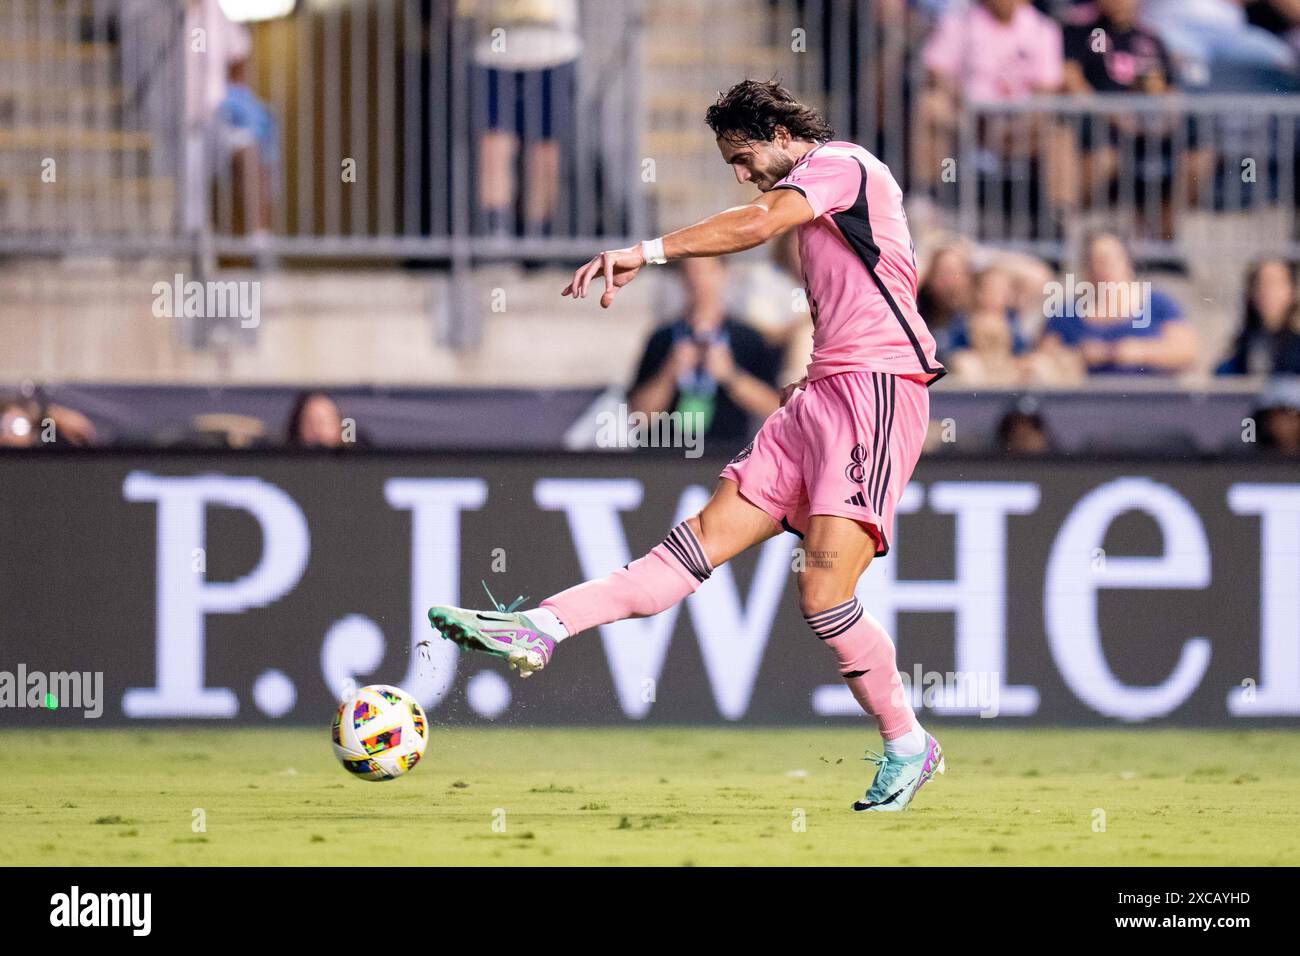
{"x": 857, "y": 499}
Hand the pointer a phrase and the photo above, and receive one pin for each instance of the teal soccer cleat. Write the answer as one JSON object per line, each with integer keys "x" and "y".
{"x": 899, "y": 778}
{"x": 503, "y": 632}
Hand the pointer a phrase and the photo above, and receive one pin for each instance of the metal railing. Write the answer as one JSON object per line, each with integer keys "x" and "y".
{"x": 91, "y": 118}
{"x": 365, "y": 137}
{"x": 1027, "y": 172}
{"x": 400, "y": 130}
{"x": 385, "y": 109}
{"x": 1027, "y": 175}
{"x": 860, "y": 60}
{"x": 378, "y": 115}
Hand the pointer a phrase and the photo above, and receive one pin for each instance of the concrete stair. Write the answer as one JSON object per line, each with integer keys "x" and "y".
{"x": 692, "y": 52}
{"x": 61, "y": 99}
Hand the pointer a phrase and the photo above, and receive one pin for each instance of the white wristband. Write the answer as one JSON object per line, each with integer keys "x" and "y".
{"x": 653, "y": 251}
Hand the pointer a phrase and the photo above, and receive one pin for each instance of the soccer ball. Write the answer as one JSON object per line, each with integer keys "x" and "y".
{"x": 380, "y": 732}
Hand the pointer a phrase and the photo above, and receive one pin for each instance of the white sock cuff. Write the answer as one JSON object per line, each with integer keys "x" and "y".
{"x": 908, "y": 745}
{"x": 546, "y": 622}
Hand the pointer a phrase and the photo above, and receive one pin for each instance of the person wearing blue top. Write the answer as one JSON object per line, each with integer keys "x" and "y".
{"x": 1115, "y": 324}
{"x": 985, "y": 346}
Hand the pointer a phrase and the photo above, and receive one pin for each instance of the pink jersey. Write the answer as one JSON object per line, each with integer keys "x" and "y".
{"x": 859, "y": 268}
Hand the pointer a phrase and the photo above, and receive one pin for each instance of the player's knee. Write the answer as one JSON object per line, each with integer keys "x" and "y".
{"x": 820, "y": 590}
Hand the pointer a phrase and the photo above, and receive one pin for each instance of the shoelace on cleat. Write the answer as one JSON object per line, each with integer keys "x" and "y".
{"x": 533, "y": 642}
{"x": 887, "y": 772}
{"x": 498, "y": 605}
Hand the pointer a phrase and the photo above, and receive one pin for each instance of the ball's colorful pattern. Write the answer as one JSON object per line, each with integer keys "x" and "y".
{"x": 384, "y": 736}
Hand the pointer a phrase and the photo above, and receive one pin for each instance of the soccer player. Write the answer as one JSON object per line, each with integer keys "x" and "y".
{"x": 830, "y": 463}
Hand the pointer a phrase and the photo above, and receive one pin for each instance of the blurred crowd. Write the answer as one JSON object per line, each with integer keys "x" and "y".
{"x": 923, "y": 62}
{"x": 1003, "y": 50}
{"x": 28, "y": 420}
{"x": 732, "y": 333}
{"x": 740, "y": 330}
{"x": 1002, "y": 320}
{"x": 1008, "y": 321}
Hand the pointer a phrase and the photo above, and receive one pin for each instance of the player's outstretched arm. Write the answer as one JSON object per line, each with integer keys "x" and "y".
{"x": 732, "y": 230}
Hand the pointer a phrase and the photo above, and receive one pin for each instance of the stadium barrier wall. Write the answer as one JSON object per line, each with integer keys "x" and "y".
{"x": 255, "y": 589}
{"x": 1114, "y": 414}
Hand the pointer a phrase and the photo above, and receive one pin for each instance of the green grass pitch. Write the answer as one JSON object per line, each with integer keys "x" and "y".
{"x": 647, "y": 796}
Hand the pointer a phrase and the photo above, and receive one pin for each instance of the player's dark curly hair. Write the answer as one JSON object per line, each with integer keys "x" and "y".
{"x": 753, "y": 109}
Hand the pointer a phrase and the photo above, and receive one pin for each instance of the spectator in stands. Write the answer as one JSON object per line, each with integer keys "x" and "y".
{"x": 226, "y": 430}
{"x": 1116, "y": 324}
{"x": 525, "y": 57}
{"x": 986, "y": 343}
{"x": 70, "y": 427}
{"x": 945, "y": 291}
{"x": 1108, "y": 51}
{"x": 316, "y": 422}
{"x": 1279, "y": 17}
{"x": 1022, "y": 431}
{"x": 1218, "y": 48}
{"x": 1270, "y": 327}
{"x": 707, "y": 364}
{"x": 19, "y": 422}
{"x": 35, "y": 422}
{"x": 229, "y": 131}
{"x": 1278, "y": 419}
{"x": 994, "y": 51}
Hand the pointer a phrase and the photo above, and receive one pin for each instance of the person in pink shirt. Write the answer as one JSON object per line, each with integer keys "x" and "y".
{"x": 831, "y": 463}
{"x": 994, "y": 51}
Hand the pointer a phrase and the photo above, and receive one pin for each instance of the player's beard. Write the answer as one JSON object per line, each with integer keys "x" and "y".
{"x": 777, "y": 171}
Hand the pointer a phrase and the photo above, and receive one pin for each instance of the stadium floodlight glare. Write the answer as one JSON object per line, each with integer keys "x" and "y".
{"x": 246, "y": 11}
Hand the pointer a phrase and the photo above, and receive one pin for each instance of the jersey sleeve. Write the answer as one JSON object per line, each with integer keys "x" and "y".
{"x": 831, "y": 184}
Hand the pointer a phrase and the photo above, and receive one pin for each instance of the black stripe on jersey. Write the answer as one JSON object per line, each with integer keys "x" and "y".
{"x": 798, "y": 189}
{"x": 855, "y": 225}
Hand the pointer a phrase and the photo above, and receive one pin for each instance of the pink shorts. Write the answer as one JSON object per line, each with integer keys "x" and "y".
{"x": 844, "y": 445}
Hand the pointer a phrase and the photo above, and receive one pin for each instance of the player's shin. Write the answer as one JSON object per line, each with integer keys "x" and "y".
{"x": 653, "y": 583}
{"x": 865, "y": 655}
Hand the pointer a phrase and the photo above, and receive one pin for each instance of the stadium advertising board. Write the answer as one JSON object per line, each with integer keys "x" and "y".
{"x": 255, "y": 589}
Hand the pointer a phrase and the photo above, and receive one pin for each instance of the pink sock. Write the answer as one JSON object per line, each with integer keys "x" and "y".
{"x": 866, "y": 658}
{"x": 654, "y": 583}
